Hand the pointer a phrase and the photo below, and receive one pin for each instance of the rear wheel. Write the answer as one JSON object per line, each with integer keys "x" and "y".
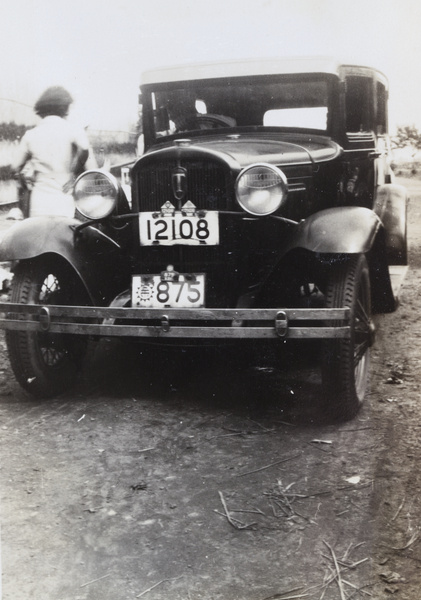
{"x": 346, "y": 362}
{"x": 45, "y": 364}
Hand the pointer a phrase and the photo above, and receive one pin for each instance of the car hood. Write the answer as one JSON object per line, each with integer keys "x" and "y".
{"x": 246, "y": 149}
{"x": 276, "y": 149}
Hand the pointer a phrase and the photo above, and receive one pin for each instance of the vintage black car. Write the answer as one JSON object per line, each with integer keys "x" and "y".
{"x": 263, "y": 208}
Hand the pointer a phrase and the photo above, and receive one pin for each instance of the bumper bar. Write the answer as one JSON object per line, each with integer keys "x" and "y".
{"x": 233, "y": 323}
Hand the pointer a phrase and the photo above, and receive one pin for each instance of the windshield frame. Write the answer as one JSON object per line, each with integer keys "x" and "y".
{"x": 151, "y": 139}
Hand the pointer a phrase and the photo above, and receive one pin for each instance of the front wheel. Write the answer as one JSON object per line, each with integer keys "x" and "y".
{"x": 45, "y": 364}
{"x": 346, "y": 362}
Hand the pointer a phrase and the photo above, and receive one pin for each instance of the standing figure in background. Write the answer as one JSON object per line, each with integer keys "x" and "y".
{"x": 56, "y": 151}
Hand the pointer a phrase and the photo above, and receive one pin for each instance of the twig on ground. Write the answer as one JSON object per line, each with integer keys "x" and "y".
{"x": 235, "y": 522}
{"x": 94, "y": 580}
{"x": 338, "y": 571}
{"x": 361, "y": 590}
{"x": 255, "y": 511}
{"x": 232, "y": 521}
{"x": 348, "y": 565}
{"x": 156, "y": 585}
{"x": 413, "y": 539}
{"x": 359, "y": 429}
{"x": 289, "y": 597}
{"x": 399, "y": 509}
{"x": 318, "y": 446}
{"x": 341, "y": 565}
{"x": 358, "y": 590}
{"x": 223, "y": 435}
{"x": 284, "y": 596}
{"x": 278, "y": 462}
{"x": 262, "y": 426}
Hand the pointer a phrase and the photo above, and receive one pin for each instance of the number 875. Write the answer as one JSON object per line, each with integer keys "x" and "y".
{"x": 164, "y": 287}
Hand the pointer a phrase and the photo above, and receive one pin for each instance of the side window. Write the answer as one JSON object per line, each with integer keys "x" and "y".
{"x": 381, "y": 112}
{"x": 358, "y": 104}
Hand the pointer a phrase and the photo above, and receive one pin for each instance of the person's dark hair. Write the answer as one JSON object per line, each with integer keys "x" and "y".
{"x": 54, "y": 101}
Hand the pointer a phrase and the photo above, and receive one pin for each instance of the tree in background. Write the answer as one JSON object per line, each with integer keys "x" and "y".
{"x": 407, "y": 136}
{"x": 408, "y": 140}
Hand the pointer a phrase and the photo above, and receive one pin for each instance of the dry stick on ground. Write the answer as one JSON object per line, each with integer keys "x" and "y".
{"x": 231, "y": 521}
{"x": 255, "y": 511}
{"x": 328, "y": 579}
{"x": 156, "y": 585}
{"x": 399, "y": 509}
{"x": 338, "y": 571}
{"x": 347, "y": 565}
{"x": 413, "y": 539}
{"x": 358, "y": 590}
{"x": 284, "y": 500}
{"x": 234, "y": 522}
{"x": 278, "y": 462}
{"x": 262, "y": 426}
{"x": 284, "y": 596}
{"x": 94, "y": 580}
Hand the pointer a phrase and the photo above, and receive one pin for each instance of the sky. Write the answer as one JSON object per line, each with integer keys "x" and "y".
{"x": 99, "y": 48}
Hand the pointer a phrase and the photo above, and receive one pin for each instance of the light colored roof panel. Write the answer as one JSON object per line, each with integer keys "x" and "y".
{"x": 241, "y": 68}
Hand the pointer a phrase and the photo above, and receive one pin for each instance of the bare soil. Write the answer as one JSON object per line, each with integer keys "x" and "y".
{"x": 215, "y": 474}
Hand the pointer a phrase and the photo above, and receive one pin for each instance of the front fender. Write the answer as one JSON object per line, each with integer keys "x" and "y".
{"x": 89, "y": 253}
{"x": 339, "y": 230}
{"x": 35, "y": 236}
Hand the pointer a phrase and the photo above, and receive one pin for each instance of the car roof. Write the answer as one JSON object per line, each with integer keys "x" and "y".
{"x": 252, "y": 67}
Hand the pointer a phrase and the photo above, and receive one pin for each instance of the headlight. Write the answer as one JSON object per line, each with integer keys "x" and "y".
{"x": 95, "y": 194}
{"x": 260, "y": 189}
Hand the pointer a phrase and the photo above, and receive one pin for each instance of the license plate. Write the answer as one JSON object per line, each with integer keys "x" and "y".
{"x": 169, "y": 230}
{"x": 151, "y": 291}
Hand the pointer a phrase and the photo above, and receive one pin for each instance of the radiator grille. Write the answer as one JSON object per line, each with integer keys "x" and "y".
{"x": 207, "y": 185}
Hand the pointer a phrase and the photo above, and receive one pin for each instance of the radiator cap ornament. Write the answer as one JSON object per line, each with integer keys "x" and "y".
{"x": 179, "y": 182}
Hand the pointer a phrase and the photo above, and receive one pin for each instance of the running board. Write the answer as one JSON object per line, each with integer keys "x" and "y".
{"x": 397, "y": 275}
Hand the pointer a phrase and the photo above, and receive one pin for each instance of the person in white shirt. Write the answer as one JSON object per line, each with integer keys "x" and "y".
{"x": 56, "y": 152}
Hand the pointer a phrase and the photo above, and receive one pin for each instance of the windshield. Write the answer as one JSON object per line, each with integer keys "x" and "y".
{"x": 246, "y": 102}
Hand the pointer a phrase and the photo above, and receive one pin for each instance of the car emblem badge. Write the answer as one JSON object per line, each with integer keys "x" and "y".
{"x": 188, "y": 209}
{"x": 167, "y": 209}
{"x": 179, "y": 183}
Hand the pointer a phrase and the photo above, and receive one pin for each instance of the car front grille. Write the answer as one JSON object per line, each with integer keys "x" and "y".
{"x": 207, "y": 185}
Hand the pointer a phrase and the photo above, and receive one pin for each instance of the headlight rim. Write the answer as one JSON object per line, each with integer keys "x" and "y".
{"x": 116, "y": 191}
{"x": 283, "y": 182}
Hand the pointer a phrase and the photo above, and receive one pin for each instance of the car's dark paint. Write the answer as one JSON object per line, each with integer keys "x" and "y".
{"x": 89, "y": 252}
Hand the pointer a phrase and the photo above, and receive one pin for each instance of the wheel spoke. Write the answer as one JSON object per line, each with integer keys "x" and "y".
{"x": 359, "y": 351}
{"x": 365, "y": 318}
{"x": 50, "y": 286}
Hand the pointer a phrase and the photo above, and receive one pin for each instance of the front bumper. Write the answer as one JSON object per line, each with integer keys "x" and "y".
{"x": 264, "y": 323}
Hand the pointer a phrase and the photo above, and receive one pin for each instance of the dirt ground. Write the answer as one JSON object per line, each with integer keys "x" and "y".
{"x": 197, "y": 475}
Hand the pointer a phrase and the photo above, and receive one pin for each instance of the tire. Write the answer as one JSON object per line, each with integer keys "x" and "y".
{"x": 346, "y": 362}
{"x": 45, "y": 364}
